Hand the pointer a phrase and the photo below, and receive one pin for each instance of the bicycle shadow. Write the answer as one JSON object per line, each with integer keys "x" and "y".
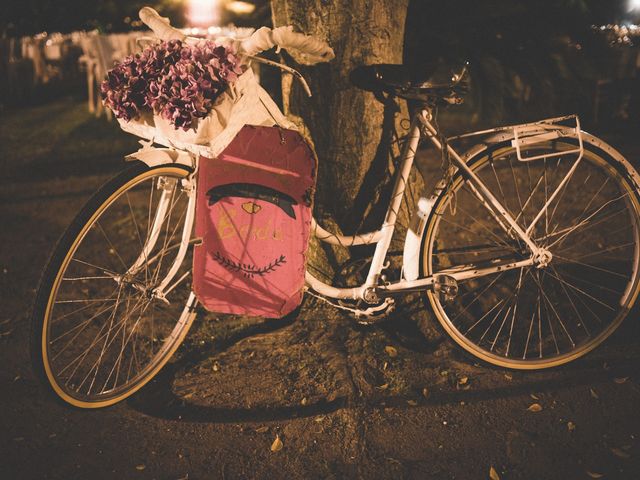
{"x": 159, "y": 400}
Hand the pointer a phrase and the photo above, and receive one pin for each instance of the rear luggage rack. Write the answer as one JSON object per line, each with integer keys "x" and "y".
{"x": 542, "y": 131}
{"x": 523, "y": 136}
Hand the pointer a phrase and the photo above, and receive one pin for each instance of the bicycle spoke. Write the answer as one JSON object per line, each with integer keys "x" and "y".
{"x": 496, "y": 239}
{"x": 598, "y": 286}
{"x": 513, "y": 317}
{"x": 610, "y": 249}
{"x": 483, "y": 317}
{"x": 564, "y": 289}
{"x": 585, "y": 221}
{"x": 515, "y": 184}
{"x": 588, "y": 265}
{"x": 479, "y": 296}
{"x": 85, "y": 300}
{"x": 112, "y": 248}
{"x": 526, "y": 345}
{"x": 583, "y": 293}
{"x": 105, "y": 270}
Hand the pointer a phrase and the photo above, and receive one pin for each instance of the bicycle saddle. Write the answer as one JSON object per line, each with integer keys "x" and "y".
{"x": 428, "y": 84}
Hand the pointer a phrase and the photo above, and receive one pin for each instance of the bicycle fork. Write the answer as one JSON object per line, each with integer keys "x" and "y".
{"x": 168, "y": 187}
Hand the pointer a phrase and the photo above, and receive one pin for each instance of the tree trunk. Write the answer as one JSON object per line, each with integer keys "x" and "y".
{"x": 345, "y": 123}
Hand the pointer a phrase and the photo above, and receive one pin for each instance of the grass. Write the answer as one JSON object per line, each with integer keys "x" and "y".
{"x": 58, "y": 139}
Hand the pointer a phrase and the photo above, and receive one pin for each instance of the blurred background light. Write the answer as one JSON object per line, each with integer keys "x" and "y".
{"x": 202, "y": 12}
{"x": 634, "y": 5}
{"x": 241, "y": 8}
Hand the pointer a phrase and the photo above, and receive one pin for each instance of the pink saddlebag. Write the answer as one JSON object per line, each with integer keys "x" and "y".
{"x": 253, "y": 213}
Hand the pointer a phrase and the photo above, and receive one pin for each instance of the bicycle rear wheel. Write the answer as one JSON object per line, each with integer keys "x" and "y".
{"x": 98, "y": 332}
{"x": 531, "y": 318}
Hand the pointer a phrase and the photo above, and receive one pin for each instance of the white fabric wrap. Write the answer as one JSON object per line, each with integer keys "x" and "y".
{"x": 313, "y": 49}
{"x": 159, "y": 25}
{"x": 244, "y": 103}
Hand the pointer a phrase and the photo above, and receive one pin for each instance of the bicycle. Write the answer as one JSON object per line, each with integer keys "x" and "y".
{"x": 526, "y": 250}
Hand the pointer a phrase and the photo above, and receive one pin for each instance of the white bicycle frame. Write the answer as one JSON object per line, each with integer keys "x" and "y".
{"x": 372, "y": 290}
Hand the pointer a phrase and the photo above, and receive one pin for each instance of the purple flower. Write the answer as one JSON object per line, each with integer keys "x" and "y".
{"x": 177, "y": 81}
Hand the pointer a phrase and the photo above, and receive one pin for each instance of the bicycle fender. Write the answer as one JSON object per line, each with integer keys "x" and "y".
{"x": 154, "y": 156}
{"x": 587, "y": 138}
{"x": 413, "y": 240}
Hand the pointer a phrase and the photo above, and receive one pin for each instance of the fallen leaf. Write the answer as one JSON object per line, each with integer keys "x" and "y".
{"x": 463, "y": 380}
{"x": 262, "y": 429}
{"x": 386, "y": 364}
{"x": 216, "y": 367}
{"x": 571, "y": 426}
{"x": 391, "y": 351}
{"x": 508, "y": 376}
{"x": 593, "y": 393}
{"x": 620, "y": 380}
{"x": 277, "y": 444}
{"x": 141, "y": 467}
{"x": 413, "y": 403}
{"x": 304, "y": 401}
{"x": 383, "y": 387}
{"x": 619, "y": 453}
{"x": 493, "y": 475}
{"x": 319, "y": 419}
{"x": 535, "y": 407}
{"x": 426, "y": 392}
{"x": 594, "y": 474}
{"x": 535, "y": 397}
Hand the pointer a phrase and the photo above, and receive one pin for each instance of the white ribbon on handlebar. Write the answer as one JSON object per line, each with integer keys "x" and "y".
{"x": 314, "y": 49}
{"x": 159, "y": 25}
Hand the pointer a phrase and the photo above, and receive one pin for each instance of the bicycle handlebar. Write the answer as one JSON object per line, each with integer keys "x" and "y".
{"x": 314, "y": 49}
{"x": 264, "y": 38}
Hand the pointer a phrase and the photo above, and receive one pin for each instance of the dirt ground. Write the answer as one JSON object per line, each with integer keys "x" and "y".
{"x": 342, "y": 403}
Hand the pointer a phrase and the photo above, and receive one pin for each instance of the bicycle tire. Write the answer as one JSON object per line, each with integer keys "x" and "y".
{"x": 94, "y": 211}
{"x": 567, "y": 287}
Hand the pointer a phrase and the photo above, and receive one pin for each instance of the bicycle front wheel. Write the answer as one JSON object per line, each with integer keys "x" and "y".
{"x": 530, "y": 318}
{"x": 98, "y": 332}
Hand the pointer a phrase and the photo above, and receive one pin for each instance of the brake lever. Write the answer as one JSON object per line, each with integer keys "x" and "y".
{"x": 284, "y": 67}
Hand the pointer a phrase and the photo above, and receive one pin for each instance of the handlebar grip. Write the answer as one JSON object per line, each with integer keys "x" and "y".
{"x": 314, "y": 49}
{"x": 159, "y": 25}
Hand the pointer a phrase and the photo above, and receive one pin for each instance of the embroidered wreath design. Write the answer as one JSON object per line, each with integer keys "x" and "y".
{"x": 247, "y": 269}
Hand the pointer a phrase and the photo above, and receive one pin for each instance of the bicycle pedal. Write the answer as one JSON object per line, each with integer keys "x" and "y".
{"x": 446, "y": 287}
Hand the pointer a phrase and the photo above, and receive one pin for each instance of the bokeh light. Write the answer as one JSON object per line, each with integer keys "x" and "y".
{"x": 203, "y": 13}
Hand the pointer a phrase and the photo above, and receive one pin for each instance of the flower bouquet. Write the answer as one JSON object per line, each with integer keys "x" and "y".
{"x": 183, "y": 94}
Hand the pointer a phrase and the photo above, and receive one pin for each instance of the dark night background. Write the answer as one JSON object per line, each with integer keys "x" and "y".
{"x": 528, "y": 59}
{"x": 430, "y": 412}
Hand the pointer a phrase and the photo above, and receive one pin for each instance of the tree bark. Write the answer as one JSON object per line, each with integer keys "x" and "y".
{"x": 345, "y": 123}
